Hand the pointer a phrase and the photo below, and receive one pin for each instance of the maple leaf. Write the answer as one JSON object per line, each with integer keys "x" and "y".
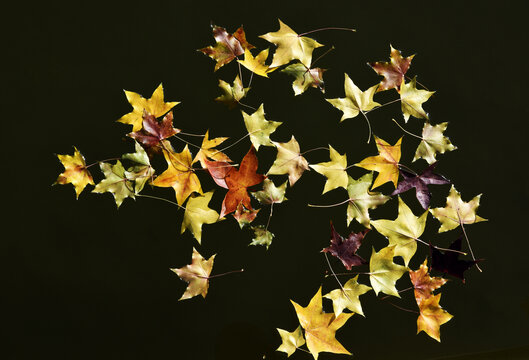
{"x": 320, "y": 328}
{"x": 232, "y": 94}
{"x": 355, "y": 100}
{"x": 384, "y": 273}
{"x": 261, "y": 236}
{"x": 218, "y": 171}
{"x": 432, "y": 316}
{"x": 207, "y": 150}
{"x": 393, "y": 71}
{"x": 386, "y": 163}
{"x": 333, "y": 170}
{"x": 156, "y": 106}
{"x": 423, "y": 284}
{"x": 75, "y": 172}
{"x": 412, "y": 99}
{"x": 345, "y": 248}
{"x": 290, "y": 341}
{"x": 433, "y": 142}
{"x": 289, "y": 161}
{"x": 304, "y": 77}
{"x": 456, "y": 212}
{"x": 348, "y": 297}
{"x": 420, "y": 183}
{"x": 361, "y": 199}
{"x": 115, "y": 182}
{"x": 403, "y": 232}
{"x": 256, "y": 64}
{"x": 227, "y": 47}
{"x": 153, "y": 132}
{"x": 259, "y": 128}
{"x": 238, "y": 181}
{"x": 290, "y": 46}
{"x": 449, "y": 262}
{"x": 244, "y": 216}
{"x": 196, "y": 275}
{"x": 141, "y": 171}
{"x": 179, "y": 175}
{"x": 270, "y": 193}
{"x": 198, "y": 213}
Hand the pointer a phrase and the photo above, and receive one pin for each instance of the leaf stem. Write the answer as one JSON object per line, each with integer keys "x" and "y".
{"x": 409, "y": 78}
{"x": 189, "y": 134}
{"x": 162, "y": 199}
{"x": 407, "y": 132}
{"x": 468, "y": 241}
{"x": 218, "y": 275}
{"x": 270, "y": 216}
{"x": 100, "y": 161}
{"x": 328, "y": 206}
{"x": 322, "y": 55}
{"x": 378, "y": 107}
{"x": 368, "y": 125}
{"x": 326, "y": 28}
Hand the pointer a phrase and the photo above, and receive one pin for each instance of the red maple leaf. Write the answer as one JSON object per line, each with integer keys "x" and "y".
{"x": 238, "y": 181}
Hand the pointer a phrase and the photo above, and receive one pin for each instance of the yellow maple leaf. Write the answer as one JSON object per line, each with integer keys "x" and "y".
{"x": 384, "y": 273}
{"x": 256, "y": 64}
{"x": 432, "y": 316}
{"x": 155, "y": 106}
{"x": 259, "y": 128}
{"x": 289, "y": 161}
{"x": 411, "y": 100}
{"x": 333, "y": 170}
{"x": 198, "y": 213}
{"x": 457, "y": 212}
{"x": 386, "y": 163}
{"x": 320, "y": 328}
{"x": 179, "y": 175}
{"x": 196, "y": 275}
{"x": 290, "y": 341}
{"x": 290, "y": 46}
{"x": 75, "y": 172}
{"x": 207, "y": 150}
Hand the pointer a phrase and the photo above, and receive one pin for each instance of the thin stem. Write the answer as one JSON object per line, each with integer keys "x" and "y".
{"x": 188, "y": 143}
{"x": 162, "y": 199}
{"x": 308, "y": 352}
{"x": 217, "y": 275}
{"x": 336, "y": 277}
{"x": 407, "y": 132}
{"x": 399, "y": 291}
{"x": 409, "y": 78}
{"x": 319, "y": 57}
{"x": 270, "y": 216}
{"x": 401, "y": 308}
{"x": 407, "y": 168}
{"x": 318, "y": 148}
{"x": 241, "y": 139}
{"x": 100, "y": 161}
{"x": 468, "y": 241}
{"x": 246, "y": 105}
{"x": 251, "y": 78}
{"x": 369, "y": 126}
{"x": 326, "y": 28}
{"x": 378, "y": 107}
{"x": 328, "y": 206}
{"x": 352, "y": 273}
{"x": 189, "y": 134}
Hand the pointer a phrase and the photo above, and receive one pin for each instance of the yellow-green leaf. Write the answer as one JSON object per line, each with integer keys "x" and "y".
{"x": 383, "y": 272}
{"x": 333, "y": 170}
{"x": 197, "y": 214}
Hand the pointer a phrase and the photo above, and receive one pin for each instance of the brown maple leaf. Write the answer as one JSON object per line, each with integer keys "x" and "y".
{"x": 423, "y": 283}
{"x": 393, "y": 71}
{"x": 345, "y": 248}
{"x": 228, "y": 46}
{"x": 238, "y": 182}
{"x": 154, "y": 132}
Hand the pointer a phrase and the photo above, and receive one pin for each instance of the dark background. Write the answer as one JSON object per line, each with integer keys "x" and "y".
{"x": 83, "y": 280}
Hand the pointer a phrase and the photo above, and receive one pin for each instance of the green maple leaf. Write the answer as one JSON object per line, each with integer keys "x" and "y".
{"x": 304, "y": 78}
{"x": 270, "y": 193}
{"x": 259, "y": 128}
{"x": 197, "y": 214}
{"x": 433, "y": 142}
{"x": 403, "y": 232}
{"x": 333, "y": 170}
{"x": 383, "y": 272}
{"x": 141, "y": 171}
{"x": 348, "y": 298}
{"x": 412, "y": 99}
{"x": 290, "y": 341}
{"x": 115, "y": 182}
{"x": 355, "y": 100}
{"x": 261, "y": 236}
{"x": 361, "y": 199}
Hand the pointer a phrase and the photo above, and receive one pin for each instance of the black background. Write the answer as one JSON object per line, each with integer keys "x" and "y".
{"x": 83, "y": 280}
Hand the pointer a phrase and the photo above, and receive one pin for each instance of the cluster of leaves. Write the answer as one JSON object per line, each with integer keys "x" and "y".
{"x": 154, "y": 135}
